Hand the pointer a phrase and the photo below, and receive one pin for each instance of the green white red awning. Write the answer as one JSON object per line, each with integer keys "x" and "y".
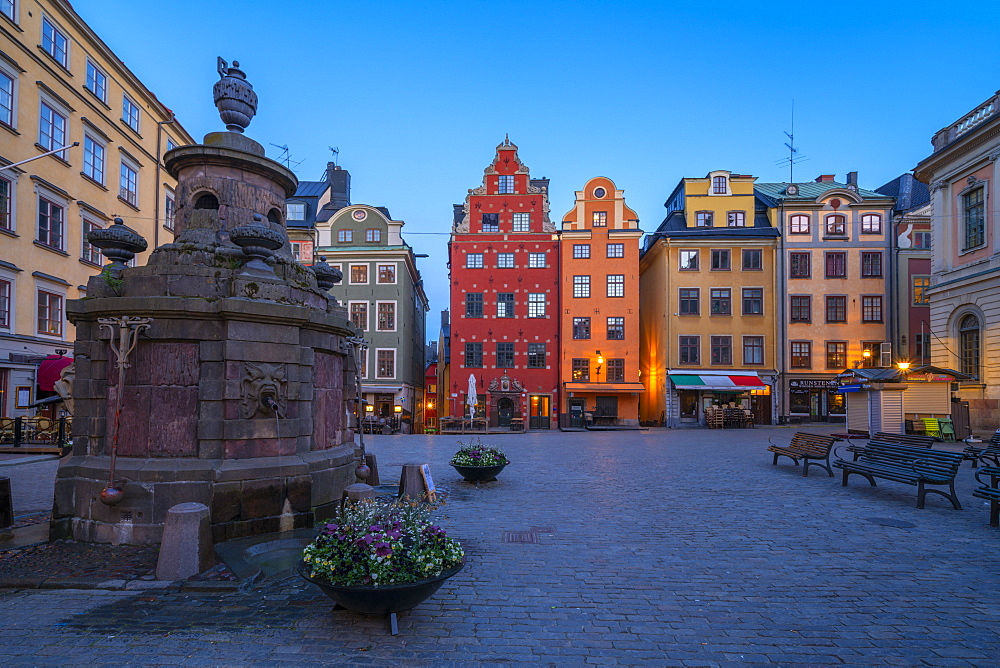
{"x": 734, "y": 382}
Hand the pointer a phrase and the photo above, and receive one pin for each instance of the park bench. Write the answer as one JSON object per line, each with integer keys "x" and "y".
{"x": 906, "y": 464}
{"x": 911, "y": 440}
{"x": 991, "y": 452}
{"x": 990, "y": 491}
{"x": 807, "y": 447}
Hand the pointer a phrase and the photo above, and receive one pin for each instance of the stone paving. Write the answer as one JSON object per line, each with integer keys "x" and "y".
{"x": 655, "y": 548}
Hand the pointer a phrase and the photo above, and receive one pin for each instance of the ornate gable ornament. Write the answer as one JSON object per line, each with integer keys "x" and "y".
{"x": 506, "y": 384}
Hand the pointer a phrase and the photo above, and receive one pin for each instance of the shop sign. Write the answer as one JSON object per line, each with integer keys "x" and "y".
{"x": 814, "y": 384}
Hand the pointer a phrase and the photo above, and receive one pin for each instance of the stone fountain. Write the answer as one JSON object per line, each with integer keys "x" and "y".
{"x": 236, "y": 389}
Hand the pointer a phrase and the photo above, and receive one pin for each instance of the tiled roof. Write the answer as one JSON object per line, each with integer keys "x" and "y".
{"x": 809, "y": 190}
{"x": 908, "y": 191}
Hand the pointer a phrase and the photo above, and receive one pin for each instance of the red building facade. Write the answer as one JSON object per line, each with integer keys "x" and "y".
{"x": 504, "y": 272}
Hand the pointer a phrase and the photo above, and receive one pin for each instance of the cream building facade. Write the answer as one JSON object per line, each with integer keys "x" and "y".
{"x": 61, "y": 87}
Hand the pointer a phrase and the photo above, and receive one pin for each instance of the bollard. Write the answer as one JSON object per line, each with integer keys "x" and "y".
{"x": 186, "y": 547}
{"x": 6, "y": 507}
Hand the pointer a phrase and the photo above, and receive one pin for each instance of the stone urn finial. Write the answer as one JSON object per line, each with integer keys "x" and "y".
{"x": 234, "y": 97}
{"x": 258, "y": 243}
{"x": 326, "y": 276}
{"x": 118, "y": 243}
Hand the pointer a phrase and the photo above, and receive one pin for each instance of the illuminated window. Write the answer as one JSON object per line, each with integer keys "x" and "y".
{"x": 920, "y": 285}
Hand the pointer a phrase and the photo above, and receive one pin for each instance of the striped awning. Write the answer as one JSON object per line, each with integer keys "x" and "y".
{"x": 728, "y": 382}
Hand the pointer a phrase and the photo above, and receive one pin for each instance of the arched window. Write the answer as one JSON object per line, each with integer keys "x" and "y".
{"x": 719, "y": 185}
{"x": 798, "y": 224}
{"x": 206, "y": 201}
{"x": 968, "y": 346}
{"x": 836, "y": 224}
{"x": 871, "y": 223}
{"x": 274, "y": 216}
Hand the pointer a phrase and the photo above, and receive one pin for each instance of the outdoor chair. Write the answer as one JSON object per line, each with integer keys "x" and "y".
{"x": 932, "y": 427}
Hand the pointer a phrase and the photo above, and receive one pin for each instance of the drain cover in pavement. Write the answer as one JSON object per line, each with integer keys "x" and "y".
{"x": 520, "y": 537}
{"x": 889, "y": 522}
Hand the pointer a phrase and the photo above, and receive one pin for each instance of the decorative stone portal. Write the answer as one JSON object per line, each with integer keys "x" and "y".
{"x": 236, "y": 395}
{"x": 506, "y": 401}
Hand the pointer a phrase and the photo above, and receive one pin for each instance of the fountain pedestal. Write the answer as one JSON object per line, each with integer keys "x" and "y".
{"x": 237, "y": 395}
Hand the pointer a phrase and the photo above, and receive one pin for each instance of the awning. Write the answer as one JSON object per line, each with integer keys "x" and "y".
{"x": 728, "y": 382}
{"x": 603, "y": 388}
{"x": 379, "y": 389}
{"x": 49, "y": 369}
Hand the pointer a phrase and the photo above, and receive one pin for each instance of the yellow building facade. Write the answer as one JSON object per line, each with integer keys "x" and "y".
{"x": 708, "y": 308}
{"x": 62, "y": 89}
{"x": 834, "y": 274}
{"x": 599, "y": 323}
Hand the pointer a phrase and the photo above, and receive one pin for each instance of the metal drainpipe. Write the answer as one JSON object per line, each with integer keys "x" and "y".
{"x": 156, "y": 194}
{"x": 783, "y": 314}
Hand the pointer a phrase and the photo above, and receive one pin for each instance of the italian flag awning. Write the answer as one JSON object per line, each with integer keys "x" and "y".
{"x": 733, "y": 382}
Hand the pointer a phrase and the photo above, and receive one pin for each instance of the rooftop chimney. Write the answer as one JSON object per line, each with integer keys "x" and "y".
{"x": 340, "y": 185}
{"x": 852, "y": 179}
{"x": 825, "y": 178}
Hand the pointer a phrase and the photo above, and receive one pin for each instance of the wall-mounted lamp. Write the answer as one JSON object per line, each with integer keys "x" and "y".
{"x": 903, "y": 366}
{"x": 397, "y": 409}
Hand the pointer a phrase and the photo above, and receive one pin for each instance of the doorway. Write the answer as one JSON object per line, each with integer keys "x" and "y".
{"x": 576, "y": 407}
{"x": 540, "y": 407}
{"x": 505, "y": 411}
{"x": 689, "y": 406}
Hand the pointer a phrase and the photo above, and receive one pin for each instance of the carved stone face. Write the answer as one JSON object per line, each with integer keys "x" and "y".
{"x": 260, "y": 381}
{"x": 64, "y": 387}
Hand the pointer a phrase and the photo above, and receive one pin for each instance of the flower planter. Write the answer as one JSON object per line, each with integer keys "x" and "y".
{"x": 479, "y": 473}
{"x": 381, "y": 599}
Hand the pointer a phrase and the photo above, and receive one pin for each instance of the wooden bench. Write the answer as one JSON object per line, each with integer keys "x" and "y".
{"x": 807, "y": 447}
{"x": 911, "y": 440}
{"x": 910, "y": 465}
{"x": 990, "y": 491}
{"x": 990, "y": 452}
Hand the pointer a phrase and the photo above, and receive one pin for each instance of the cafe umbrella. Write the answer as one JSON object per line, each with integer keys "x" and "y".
{"x": 472, "y": 397}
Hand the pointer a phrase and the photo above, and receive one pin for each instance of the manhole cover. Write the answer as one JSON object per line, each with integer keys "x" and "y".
{"x": 520, "y": 537}
{"x": 889, "y": 522}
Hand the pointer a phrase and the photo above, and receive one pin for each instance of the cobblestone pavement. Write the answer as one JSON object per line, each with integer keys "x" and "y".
{"x": 657, "y": 547}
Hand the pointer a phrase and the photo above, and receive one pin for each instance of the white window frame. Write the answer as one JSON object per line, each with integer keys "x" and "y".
{"x": 10, "y": 177}
{"x": 505, "y": 260}
{"x": 86, "y": 250}
{"x": 693, "y": 253}
{"x": 395, "y": 315}
{"x": 368, "y": 313}
{"x": 9, "y": 277}
{"x": 382, "y": 376}
{"x": 616, "y": 285}
{"x": 581, "y": 287}
{"x": 56, "y": 32}
{"x": 126, "y": 167}
{"x": 100, "y": 87}
{"x": 533, "y": 259}
{"x": 9, "y": 9}
{"x": 14, "y": 80}
{"x": 474, "y": 261}
{"x": 298, "y": 206}
{"x": 521, "y": 222}
{"x": 350, "y": 274}
{"x": 534, "y": 302}
{"x": 103, "y": 146}
{"x": 395, "y": 273}
{"x": 57, "y": 110}
{"x": 41, "y": 285}
{"x": 169, "y": 209}
{"x": 53, "y": 198}
{"x": 133, "y": 120}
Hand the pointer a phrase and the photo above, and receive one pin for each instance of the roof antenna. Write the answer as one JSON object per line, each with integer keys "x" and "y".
{"x": 793, "y": 157}
{"x": 286, "y": 156}
{"x": 336, "y": 152}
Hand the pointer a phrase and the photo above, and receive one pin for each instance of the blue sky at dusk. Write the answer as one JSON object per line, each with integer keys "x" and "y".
{"x": 416, "y": 95}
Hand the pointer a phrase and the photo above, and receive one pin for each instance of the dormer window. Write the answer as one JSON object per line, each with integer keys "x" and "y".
{"x": 836, "y": 224}
{"x": 345, "y": 236}
{"x": 719, "y": 185}
{"x": 600, "y": 219}
{"x": 295, "y": 211}
{"x": 373, "y": 236}
{"x": 505, "y": 184}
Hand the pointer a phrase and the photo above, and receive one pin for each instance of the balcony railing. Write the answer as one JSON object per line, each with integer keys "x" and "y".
{"x": 967, "y": 123}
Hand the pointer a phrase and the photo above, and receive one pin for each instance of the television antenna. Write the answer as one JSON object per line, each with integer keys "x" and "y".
{"x": 335, "y": 151}
{"x": 793, "y": 152}
{"x": 286, "y": 156}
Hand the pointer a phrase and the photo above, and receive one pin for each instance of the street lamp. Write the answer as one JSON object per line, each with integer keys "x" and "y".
{"x": 903, "y": 366}
{"x": 600, "y": 361}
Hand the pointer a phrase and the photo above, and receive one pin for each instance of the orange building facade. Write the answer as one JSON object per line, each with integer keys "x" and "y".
{"x": 599, "y": 309}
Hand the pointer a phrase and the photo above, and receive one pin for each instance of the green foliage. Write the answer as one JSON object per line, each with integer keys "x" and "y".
{"x": 378, "y": 543}
{"x": 476, "y": 453}
{"x": 113, "y": 281}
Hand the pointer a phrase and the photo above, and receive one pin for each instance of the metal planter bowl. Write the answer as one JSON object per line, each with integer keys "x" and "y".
{"x": 381, "y": 599}
{"x": 479, "y": 473}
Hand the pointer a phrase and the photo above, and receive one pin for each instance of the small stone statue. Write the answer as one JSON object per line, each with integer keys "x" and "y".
{"x": 234, "y": 97}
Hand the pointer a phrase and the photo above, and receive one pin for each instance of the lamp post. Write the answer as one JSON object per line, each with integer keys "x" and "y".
{"x": 600, "y": 362}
